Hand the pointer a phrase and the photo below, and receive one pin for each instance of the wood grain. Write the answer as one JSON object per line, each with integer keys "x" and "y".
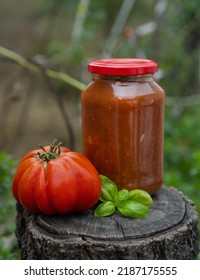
{"x": 169, "y": 232}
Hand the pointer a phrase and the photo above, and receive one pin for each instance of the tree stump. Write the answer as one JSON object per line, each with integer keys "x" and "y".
{"x": 169, "y": 232}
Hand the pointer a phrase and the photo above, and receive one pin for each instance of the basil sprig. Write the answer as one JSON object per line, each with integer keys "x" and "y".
{"x": 132, "y": 204}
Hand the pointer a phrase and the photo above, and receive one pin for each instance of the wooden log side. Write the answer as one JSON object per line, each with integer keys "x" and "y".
{"x": 169, "y": 232}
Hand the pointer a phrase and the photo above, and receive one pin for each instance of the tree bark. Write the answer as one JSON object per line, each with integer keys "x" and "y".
{"x": 169, "y": 232}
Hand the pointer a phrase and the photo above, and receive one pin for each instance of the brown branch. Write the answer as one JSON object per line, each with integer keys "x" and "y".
{"x": 25, "y": 109}
{"x": 29, "y": 64}
{"x": 7, "y": 97}
{"x": 63, "y": 110}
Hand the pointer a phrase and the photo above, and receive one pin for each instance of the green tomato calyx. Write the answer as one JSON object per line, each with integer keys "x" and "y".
{"x": 54, "y": 152}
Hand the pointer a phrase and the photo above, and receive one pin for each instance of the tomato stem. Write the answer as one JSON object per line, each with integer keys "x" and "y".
{"x": 54, "y": 152}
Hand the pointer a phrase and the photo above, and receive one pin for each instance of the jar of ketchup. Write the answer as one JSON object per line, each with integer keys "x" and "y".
{"x": 123, "y": 122}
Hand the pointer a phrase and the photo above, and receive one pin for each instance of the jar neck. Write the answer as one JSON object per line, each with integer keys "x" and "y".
{"x": 136, "y": 78}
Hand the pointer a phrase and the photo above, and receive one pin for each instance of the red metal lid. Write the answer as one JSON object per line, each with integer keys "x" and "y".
{"x": 123, "y": 66}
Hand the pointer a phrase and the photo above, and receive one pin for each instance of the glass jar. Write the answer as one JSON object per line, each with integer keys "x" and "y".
{"x": 123, "y": 122}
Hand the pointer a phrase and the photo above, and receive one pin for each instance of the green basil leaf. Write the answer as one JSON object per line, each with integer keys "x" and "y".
{"x": 134, "y": 209}
{"x": 141, "y": 197}
{"x": 105, "y": 209}
{"x": 109, "y": 189}
{"x": 121, "y": 197}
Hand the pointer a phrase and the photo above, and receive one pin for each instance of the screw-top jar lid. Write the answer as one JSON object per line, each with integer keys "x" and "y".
{"x": 123, "y": 66}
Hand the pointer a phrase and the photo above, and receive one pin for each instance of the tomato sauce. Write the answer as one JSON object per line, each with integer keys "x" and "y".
{"x": 123, "y": 123}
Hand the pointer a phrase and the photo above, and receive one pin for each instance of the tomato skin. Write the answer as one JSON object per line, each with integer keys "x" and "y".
{"x": 68, "y": 183}
{"x": 19, "y": 173}
{"x": 86, "y": 180}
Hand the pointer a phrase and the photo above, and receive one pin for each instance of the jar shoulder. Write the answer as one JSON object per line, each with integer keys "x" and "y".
{"x": 118, "y": 89}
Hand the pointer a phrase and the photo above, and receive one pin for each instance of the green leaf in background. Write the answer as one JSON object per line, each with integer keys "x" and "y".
{"x": 121, "y": 197}
{"x": 134, "y": 209}
{"x": 140, "y": 196}
{"x": 105, "y": 209}
{"x": 7, "y": 170}
{"x": 109, "y": 189}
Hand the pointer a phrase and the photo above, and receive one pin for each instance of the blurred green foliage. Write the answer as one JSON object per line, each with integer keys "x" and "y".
{"x": 182, "y": 157}
{"x": 8, "y": 245}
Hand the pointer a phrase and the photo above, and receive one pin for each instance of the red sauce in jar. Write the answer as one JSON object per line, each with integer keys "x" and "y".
{"x": 123, "y": 121}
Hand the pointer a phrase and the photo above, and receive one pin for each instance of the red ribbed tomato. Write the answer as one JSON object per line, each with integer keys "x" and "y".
{"x": 55, "y": 180}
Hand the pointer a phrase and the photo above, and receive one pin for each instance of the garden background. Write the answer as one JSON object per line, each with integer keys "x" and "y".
{"x": 44, "y": 41}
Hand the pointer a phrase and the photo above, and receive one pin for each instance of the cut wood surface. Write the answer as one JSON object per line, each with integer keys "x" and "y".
{"x": 169, "y": 232}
